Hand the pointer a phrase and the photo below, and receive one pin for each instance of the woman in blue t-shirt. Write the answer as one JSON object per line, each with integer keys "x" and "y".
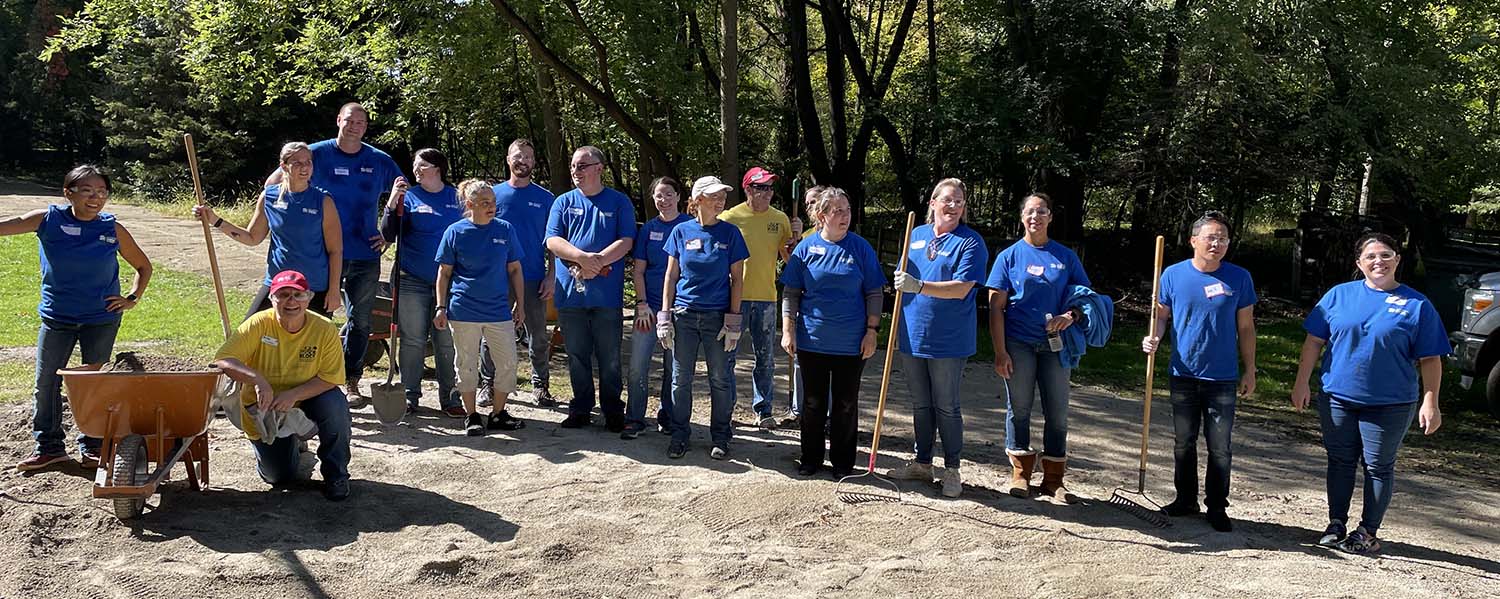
{"x": 649, "y": 274}
{"x": 478, "y": 288}
{"x": 945, "y": 262}
{"x": 304, "y": 229}
{"x": 704, "y": 279}
{"x": 831, "y": 305}
{"x": 81, "y": 303}
{"x": 1375, "y": 336}
{"x": 420, "y": 215}
{"x": 1029, "y": 288}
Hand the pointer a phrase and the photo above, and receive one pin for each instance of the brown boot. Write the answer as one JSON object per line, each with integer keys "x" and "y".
{"x": 1052, "y": 480}
{"x": 1021, "y": 467}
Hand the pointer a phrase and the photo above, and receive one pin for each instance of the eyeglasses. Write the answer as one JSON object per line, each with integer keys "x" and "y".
{"x": 1036, "y": 212}
{"x": 1215, "y": 240}
{"x": 1386, "y": 256}
{"x": 90, "y": 191}
{"x": 581, "y": 166}
{"x": 759, "y": 186}
{"x": 300, "y": 296}
{"x": 950, "y": 201}
{"x": 299, "y": 163}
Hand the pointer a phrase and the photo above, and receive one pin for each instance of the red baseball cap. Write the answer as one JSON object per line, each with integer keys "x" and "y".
{"x": 757, "y": 175}
{"x": 288, "y": 278}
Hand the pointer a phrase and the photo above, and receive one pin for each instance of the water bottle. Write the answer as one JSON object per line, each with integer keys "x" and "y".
{"x": 1054, "y": 339}
{"x": 578, "y": 284}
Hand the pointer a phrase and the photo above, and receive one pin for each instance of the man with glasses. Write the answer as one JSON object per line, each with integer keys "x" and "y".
{"x": 286, "y": 359}
{"x": 590, "y": 230}
{"x": 1210, "y": 304}
{"x": 766, "y": 231}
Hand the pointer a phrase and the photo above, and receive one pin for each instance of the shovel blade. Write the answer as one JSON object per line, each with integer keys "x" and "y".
{"x": 389, "y": 400}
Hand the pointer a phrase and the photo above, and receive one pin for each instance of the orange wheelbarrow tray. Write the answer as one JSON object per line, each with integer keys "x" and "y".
{"x": 142, "y": 417}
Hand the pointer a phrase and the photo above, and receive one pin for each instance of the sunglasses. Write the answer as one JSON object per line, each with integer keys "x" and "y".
{"x": 300, "y": 296}
{"x": 760, "y": 186}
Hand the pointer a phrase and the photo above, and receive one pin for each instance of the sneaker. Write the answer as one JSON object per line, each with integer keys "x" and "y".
{"x": 88, "y": 459}
{"x": 544, "y": 398}
{"x": 504, "y": 422}
{"x": 769, "y": 423}
{"x": 632, "y": 430}
{"x": 953, "y": 484}
{"x": 615, "y": 423}
{"x": 485, "y": 396}
{"x": 576, "y": 421}
{"x": 718, "y": 453}
{"x": 676, "y": 451}
{"x": 337, "y": 490}
{"x": 351, "y": 391}
{"x": 792, "y": 421}
{"x": 1334, "y": 534}
{"x": 456, "y": 411}
{"x": 474, "y": 425}
{"x": 912, "y": 471}
{"x": 37, "y": 461}
{"x": 1219, "y": 520}
{"x": 663, "y": 425}
{"x": 1360, "y": 542}
{"x": 1180, "y": 507}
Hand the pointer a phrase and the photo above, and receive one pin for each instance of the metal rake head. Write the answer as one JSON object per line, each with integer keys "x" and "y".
{"x": 1149, "y": 511}
{"x": 852, "y": 496}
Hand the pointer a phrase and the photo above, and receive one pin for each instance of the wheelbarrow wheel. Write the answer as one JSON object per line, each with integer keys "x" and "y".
{"x": 131, "y": 469}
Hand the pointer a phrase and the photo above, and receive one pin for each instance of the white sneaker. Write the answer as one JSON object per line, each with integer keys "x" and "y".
{"x": 952, "y": 483}
{"x": 912, "y": 471}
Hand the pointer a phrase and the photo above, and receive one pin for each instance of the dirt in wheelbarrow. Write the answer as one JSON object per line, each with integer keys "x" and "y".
{"x": 129, "y": 361}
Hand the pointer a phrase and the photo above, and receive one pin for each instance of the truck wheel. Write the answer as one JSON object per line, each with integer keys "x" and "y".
{"x": 1492, "y": 389}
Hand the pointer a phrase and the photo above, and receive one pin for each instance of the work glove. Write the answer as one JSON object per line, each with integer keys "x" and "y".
{"x": 906, "y": 283}
{"x": 730, "y": 332}
{"x": 664, "y": 331}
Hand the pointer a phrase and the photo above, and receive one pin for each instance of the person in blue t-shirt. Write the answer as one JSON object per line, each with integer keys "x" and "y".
{"x": 304, "y": 228}
{"x": 418, "y": 220}
{"x": 1210, "y": 304}
{"x": 526, "y": 205}
{"x": 945, "y": 263}
{"x": 831, "y": 305}
{"x": 700, "y": 299}
{"x": 478, "y": 280}
{"x": 79, "y": 246}
{"x": 649, "y": 273}
{"x": 1029, "y": 286}
{"x": 590, "y": 230}
{"x": 1375, "y": 337}
{"x": 355, "y": 174}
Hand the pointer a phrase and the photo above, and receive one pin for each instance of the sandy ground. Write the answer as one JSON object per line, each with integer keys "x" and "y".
{"x": 549, "y": 512}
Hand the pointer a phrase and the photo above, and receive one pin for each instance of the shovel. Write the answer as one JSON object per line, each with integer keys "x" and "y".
{"x": 1124, "y": 499}
{"x": 389, "y": 398}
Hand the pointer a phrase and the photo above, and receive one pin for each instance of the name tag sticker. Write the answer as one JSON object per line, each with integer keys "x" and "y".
{"x": 1214, "y": 290}
{"x": 817, "y": 250}
{"x": 919, "y": 244}
{"x": 576, "y": 211}
{"x": 423, "y": 209}
{"x": 341, "y": 171}
{"x": 1036, "y": 270}
{"x": 694, "y": 244}
{"x": 71, "y": 229}
{"x": 269, "y": 340}
{"x": 658, "y": 236}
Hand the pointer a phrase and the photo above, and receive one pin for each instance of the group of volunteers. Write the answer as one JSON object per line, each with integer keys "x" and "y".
{"x": 477, "y": 264}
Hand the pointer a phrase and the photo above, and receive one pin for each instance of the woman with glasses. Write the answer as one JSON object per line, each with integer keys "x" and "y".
{"x": 1381, "y": 344}
{"x": 945, "y": 262}
{"x": 1029, "y": 287}
{"x": 304, "y": 229}
{"x": 830, "y": 313}
{"x": 650, "y": 273}
{"x": 79, "y": 246}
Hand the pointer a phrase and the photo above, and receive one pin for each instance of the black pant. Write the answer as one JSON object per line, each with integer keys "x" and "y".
{"x": 822, "y": 373}
{"x": 1207, "y": 406}
{"x": 262, "y": 301}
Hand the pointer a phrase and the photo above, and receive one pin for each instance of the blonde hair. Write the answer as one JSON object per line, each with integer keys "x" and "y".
{"x": 471, "y": 190}
{"x": 810, "y": 199}
{"x": 287, "y": 151}
{"x": 830, "y": 192}
{"x": 949, "y": 183}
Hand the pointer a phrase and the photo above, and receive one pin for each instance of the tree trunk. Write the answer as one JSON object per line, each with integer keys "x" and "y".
{"x": 554, "y": 152}
{"x": 728, "y": 109}
{"x": 807, "y": 107}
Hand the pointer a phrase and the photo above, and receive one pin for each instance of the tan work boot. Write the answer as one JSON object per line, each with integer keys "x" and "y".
{"x": 1021, "y": 467}
{"x": 1052, "y": 480}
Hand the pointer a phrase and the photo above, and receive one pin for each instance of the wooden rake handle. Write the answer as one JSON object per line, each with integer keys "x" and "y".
{"x": 1150, "y": 361}
{"x": 890, "y": 344}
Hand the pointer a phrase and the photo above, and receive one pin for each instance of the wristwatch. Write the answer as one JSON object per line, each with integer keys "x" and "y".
{"x": 132, "y": 297}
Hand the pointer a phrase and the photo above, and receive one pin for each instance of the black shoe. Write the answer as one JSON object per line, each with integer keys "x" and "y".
{"x": 676, "y": 450}
{"x": 632, "y": 430}
{"x": 576, "y": 421}
{"x": 838, "y": 473}
{"x": 337, "y": 490}
{"x": 614, "y": 422}
{"x": 663, "y": 426}
{"x": 1220, "y": 520}
{"x": 544, "y": 398}
{"x": 807, "y": 469}
{"x": 474, "y": 425}
{"x": 1180, "y": 508}
{"x": 504, "y": 422}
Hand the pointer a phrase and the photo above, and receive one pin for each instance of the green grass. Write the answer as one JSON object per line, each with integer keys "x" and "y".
{"x": 181, "y": 206}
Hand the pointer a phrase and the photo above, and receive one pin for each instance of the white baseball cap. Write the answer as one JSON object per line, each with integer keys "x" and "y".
{"x": 707, "y": 185}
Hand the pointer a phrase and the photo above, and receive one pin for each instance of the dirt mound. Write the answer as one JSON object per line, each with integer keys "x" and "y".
{"x": 129, "y": 361}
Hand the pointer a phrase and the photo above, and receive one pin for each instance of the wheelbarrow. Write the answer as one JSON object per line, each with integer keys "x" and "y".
{"x": 144, "y": 418}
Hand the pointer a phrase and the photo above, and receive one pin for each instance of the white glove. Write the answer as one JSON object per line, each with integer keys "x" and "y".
{"x": 907, "y": 283}
{"x": 730, "y": 332}
{"x": 664, "y": 330}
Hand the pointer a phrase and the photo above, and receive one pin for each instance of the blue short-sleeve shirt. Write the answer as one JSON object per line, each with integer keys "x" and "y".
{"x": 427, "y": 216}
{"x": 1037, "y": 279}
{"x": 526, "y": 209}
{"x": 480, "y": 255}
{"x": 704, "y": 255}
{"x": 355, "y": 181}
{"x": 942, "y": 328}
{"x": 1205, "y": 310}
{"x": 1374, "y": 341}
{"x": 650, "y": 245}
{"x": 591, "y": 223}
{"x": 834, "y": 278}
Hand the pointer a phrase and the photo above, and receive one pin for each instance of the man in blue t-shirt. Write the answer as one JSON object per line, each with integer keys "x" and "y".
{"x": 590, "y": 230}
{"x": 355, "y": 174}
{"x": 526, "y": 206}
{"x": 1210, "y": 304}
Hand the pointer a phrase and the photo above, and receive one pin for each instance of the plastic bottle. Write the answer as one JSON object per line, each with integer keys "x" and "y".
{"x": 1054, "y": 338}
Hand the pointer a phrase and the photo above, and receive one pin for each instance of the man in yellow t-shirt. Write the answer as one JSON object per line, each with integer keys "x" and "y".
{"x": 283, "y": 358}
{"x": 766, "y": 231}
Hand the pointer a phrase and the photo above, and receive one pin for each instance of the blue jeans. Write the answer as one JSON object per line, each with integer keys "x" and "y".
{"x": 592, "y": 334}
{"x": 361, "y": 280}
{"x": 696, "y": 332}
{"x": 415, "y": 306}
{"x": 1033, "y": 370}
{"x": 643, "y": 347}
{"x": 1353, "y": 432}
{"x": 276, "y": 462}
{"x": 54, "y": 345}
{"x": 934, "y": 386}
{"x": 760, "y": 332}
{"x": 536, "y": 338}
{"x": 1207, "y": 405}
